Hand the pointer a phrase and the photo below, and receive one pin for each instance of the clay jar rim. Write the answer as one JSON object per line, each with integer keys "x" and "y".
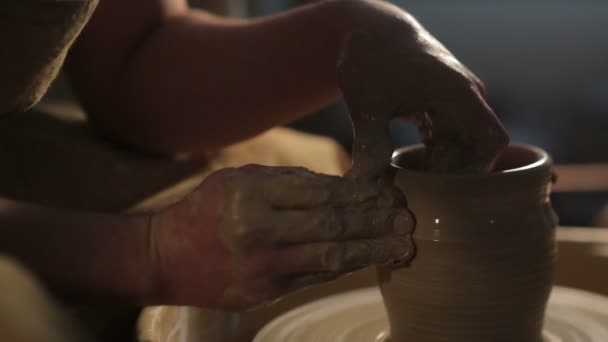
{"x": 516, "y": 160}
{"x": 452, "y": 207}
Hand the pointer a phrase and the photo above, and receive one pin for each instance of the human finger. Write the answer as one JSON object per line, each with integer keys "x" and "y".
{"x": 344, "y": 257}
{"x": 330, "y": 224}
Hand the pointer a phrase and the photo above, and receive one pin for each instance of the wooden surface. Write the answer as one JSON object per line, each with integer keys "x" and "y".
{"x": 583, "y": 259}
{"x": 581, "y": 178}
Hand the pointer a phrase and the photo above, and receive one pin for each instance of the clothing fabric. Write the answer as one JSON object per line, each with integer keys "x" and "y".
{"x": 35, "y": 36}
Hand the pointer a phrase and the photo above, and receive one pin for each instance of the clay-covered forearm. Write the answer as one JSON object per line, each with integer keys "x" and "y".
{"x": 198, "y": 81}
{"x": 81, "y": 256}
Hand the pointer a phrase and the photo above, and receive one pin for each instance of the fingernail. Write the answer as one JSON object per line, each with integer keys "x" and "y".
{"x": 403, "y": 223}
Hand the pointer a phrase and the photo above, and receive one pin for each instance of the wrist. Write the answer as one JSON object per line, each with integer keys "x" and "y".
{"x": 132, "y": 265}
{"x": 82, "y": 256}
{"x": 154, "y": 288}
{"x": 188, "y": 263}
{"x": 132, "y": 253}
{"x": 166, "y": 249}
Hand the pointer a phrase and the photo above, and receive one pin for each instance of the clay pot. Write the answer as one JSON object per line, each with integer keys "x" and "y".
{"x": 485, "y": 252}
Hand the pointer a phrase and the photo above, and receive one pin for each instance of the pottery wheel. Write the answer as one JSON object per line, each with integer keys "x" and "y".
{"x": 359, "y": 316}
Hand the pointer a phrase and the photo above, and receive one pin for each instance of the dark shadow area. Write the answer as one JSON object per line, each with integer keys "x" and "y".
{"x": 55, "y": 160}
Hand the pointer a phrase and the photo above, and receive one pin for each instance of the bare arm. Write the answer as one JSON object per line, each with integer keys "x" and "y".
{"x": 161, "y": 76}
{"x": 172, "y": 79}
{"x": 213, "y": 248}
{"x": 81, "y": 256}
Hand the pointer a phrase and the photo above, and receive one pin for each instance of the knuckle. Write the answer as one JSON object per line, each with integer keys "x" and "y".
{"x": 242, "y": 232}
{"x": 380, "y": 223}
{"x": 464, "y": 82}
{"x": 330, "y": 222}
{"x": 252, "y": 168}
{"x": 480, "y": 85}
{"x": 352, "y": 191}
{"x": 376, "y": 222}
{"x": 404, "y": 252}
{"x": 403, "y": 222}
{"x": 392, "y": 197}
{"x": 358, "y": 254}
{"x": 333, "y": 257}
{"x": 241, "y": 223}
{"x": 239, "y": 237}
{"x": 474, "y": 81}
{"x": 380, "y": 251}
{"x": 364, "y": 223}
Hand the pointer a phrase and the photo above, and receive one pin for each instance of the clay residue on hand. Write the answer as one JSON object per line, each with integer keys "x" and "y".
{"x": 279, "y": 206}
{"x": 324, "y": 226}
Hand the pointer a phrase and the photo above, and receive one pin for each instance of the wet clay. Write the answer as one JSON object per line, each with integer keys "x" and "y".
{"x": 485, "y": 253}
{"x": 265, "y": 206}
{"x": 381, "y": 80}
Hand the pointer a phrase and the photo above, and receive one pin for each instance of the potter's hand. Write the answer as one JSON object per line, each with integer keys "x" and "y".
{"x": 250, "y": 234}
{"x": 390, "y": 66}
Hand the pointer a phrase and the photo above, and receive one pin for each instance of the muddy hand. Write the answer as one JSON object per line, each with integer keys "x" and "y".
{"x": 392, "y": 67}
{"x": 271, "y": 230}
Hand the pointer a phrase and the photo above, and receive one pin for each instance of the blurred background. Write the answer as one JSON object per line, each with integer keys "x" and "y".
{"x": 544, "y": 62}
